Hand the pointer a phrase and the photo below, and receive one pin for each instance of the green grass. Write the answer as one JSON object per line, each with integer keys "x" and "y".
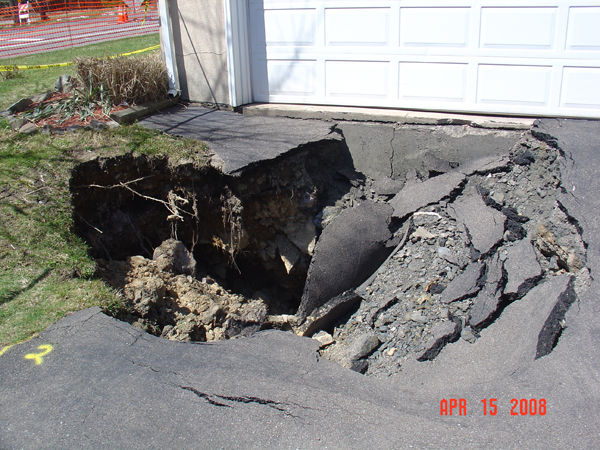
{"x": 29, "y": 82}
{"x": 45, "y": 270}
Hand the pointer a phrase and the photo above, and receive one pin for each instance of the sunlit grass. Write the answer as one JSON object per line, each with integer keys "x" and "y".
{"x": 29, "y": 82}
{"x": 45, "y": 269}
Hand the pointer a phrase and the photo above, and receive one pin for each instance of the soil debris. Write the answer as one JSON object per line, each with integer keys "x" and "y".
{"x": 165, "y": 299}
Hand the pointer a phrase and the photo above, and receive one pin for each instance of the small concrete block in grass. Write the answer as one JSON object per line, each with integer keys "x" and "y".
{"x": 133, "y": 113}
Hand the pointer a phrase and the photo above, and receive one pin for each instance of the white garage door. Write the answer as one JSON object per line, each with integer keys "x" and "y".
{"x": 538, "y": 57}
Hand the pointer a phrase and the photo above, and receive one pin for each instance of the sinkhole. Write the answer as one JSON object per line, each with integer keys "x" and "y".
{"x": 249, "y": 238}
{"x": 381, "y": 255}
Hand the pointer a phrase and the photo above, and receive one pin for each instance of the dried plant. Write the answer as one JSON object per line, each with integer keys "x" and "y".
{"x": 130, "y": 80}
{"x": 11, "y": 73}
{"x": 82, "y": 103}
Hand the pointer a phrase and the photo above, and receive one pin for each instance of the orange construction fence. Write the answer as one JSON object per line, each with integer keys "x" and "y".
{"x": 38, "y": 26}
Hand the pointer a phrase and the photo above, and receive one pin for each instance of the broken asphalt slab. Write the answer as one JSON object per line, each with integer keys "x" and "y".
{"x": 484, "y": 225}
{"x": 487, "y": 302}
{"x": 464, "y": 285}
{"x": 384, "y": 149}
{"x": 579, "y": 143}
{"x": 377, "y": 150}
{"x": 348, "y": 251}
{"x": 238, "y": 141}
{"x": 415, "y": 196}
{"x": 523, "y": 333}
{"x": 522, "y": 269}
{"x": 101, "y": 383}
{"x": 569, "y": 376}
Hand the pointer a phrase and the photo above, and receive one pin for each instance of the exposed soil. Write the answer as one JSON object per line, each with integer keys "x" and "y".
{"x": 251, "y": 241}
{"x": 251, "y": 235}
{"x": 167, "y": 300}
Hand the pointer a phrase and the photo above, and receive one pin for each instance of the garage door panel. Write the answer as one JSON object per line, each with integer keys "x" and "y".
{"x": 526, "y": 28}
{"x": 432, "y": 81}
{"x": 290, "y": 26}
{"x": 291, "y": 77}
{"x": 581, "y": 87}
{"x": 584, "y": 28}
{"x": 357, "y": 26}
{"x": 357, "y": 78}
{"x": 493, "y": 56}
{"x": 513, "y": 84}
{"x": 423, "y": 27}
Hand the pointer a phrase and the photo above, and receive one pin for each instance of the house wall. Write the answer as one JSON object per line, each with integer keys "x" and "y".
{"x": 200, "y": 49}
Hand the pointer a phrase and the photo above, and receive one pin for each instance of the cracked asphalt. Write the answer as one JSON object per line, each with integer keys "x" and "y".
{"x": 90, "y": 381}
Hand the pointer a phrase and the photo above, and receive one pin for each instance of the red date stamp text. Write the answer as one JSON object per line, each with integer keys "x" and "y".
{"x": 491, "y": 407}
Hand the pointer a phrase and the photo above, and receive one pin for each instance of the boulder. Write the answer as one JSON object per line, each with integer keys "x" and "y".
{"x": 353, "y": 352}
{"x": 20, "y": 106}
{"x": 172, "y": 256}
{"x": 29, "y": 128}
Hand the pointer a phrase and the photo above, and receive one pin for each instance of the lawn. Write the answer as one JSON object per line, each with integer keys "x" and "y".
{"x": 29, "y": 82}
{"x": 45, "y": 270}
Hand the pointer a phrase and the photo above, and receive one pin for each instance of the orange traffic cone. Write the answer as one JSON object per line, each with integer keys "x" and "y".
{"x": 122, "y": 16}
{"x": 24, "y": 12}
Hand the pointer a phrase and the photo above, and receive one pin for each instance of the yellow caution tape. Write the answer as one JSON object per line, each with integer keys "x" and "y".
{"x": 37, "y": 66}
{"x": 63, "y": 64}
{"x": 154, "y": 47}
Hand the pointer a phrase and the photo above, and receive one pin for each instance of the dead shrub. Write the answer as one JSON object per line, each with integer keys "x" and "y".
{"x": 131, "y": 80}
{"x": 11, "y": 73}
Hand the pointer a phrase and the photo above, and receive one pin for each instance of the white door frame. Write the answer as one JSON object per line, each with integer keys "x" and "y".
{"x": 238, "y": 52}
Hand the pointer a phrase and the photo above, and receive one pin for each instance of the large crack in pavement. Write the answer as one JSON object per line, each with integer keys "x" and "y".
{"x": 380, "y": 270}
{"x": 106, "y": 384}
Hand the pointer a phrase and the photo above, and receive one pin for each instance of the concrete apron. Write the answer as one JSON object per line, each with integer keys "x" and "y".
{"x": 389, "y": 142}
{"x": 399, "y": 116}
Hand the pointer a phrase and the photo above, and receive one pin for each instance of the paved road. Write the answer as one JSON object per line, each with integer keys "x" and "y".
{"x": 74, "y": 32}
{"x": 94, "y": 382}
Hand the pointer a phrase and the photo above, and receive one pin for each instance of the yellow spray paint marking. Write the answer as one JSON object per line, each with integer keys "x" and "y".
{"x": 38, "y": 357}
{"x": 5, "y": 349}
